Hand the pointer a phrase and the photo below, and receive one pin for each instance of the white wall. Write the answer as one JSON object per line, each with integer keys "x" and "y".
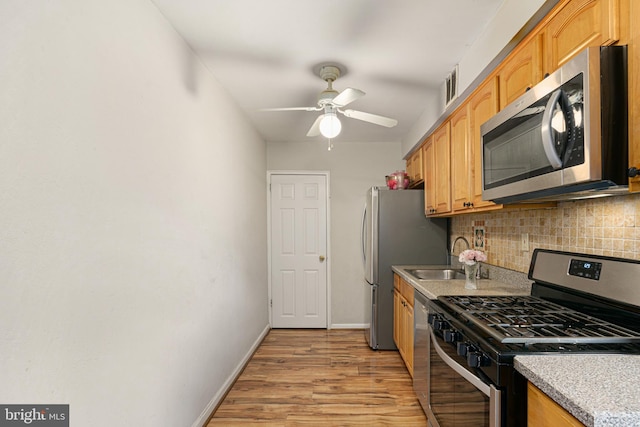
{"x": 353, "y": 167}
{"x": 509, "y": 20}
{"x": 132, "y": 217}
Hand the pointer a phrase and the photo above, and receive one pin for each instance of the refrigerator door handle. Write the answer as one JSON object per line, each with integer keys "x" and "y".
{"x": 362, "y": 235}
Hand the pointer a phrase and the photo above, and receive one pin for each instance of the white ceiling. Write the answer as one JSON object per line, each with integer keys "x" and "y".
{"x": 266, "y": 53}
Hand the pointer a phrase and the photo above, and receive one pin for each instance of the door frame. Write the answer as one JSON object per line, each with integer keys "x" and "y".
{"x": 326, "y": 176}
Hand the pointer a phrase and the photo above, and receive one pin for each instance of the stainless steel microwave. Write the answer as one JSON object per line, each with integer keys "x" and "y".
{"x": 567, "y": 137}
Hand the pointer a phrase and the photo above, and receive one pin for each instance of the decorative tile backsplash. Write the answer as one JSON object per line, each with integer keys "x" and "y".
{"x": 605, "y": 226}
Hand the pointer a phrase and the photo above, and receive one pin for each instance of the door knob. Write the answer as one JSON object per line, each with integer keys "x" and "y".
{"x": 322, "y": 258}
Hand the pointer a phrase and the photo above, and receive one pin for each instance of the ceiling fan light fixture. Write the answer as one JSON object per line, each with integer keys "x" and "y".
{"x": 330, "y": 125}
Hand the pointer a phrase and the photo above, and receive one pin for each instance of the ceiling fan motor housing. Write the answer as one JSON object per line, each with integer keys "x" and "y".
{"x": 329, "y": 74}
{"x": 326, "y": 96}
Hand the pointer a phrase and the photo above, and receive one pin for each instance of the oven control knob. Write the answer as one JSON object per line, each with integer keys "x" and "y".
{"x": 440, "y": 324}
{"x": 462, "y": 348}
{"x": 476, "y": 359}
{"x": 451, "y": 335}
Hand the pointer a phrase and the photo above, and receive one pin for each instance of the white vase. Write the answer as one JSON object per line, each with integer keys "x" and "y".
{"x": 470, "y": 273}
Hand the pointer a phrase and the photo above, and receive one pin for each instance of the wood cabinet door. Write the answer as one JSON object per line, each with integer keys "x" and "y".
{"x": 542, "y": 411}
{"x": 409, "y": 168}
{"x": 460, "y": 160}
{"x": 483, "y": 105}
{"x": 579, "y": 24}
{"x": 397, "y": 318}
{"x": 409, "y": 332}
{"x": 428, "y": 156}
{"x": 442, "y": 168}
{"x": 521, "y": 71}
{"x": 416, "y": 162}
{"x": 414, "y": 167}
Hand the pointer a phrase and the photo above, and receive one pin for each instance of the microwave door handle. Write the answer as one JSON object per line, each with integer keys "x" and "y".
{"x": 547, "y": 131}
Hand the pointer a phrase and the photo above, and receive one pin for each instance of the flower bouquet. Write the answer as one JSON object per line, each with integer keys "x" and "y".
{"x": 471, "y": 258}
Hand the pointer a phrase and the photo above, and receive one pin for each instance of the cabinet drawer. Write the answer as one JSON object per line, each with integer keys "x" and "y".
{"x": 407, "y": 292}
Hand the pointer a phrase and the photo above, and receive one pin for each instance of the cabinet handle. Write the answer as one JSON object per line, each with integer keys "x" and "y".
{"x": 633, "y": 172}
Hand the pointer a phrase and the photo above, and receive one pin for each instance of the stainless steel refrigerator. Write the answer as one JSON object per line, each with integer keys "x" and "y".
{"x": 394, "y": 232}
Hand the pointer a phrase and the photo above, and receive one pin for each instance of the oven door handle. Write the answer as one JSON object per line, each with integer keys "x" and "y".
{"x": 494, "y": 394}
{"x": 477, "y": 383}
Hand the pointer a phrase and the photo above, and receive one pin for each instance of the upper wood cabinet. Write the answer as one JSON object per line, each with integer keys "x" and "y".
{"x": 415, "y": 168}
{"x": 522, "y": 71}
{"x": 483, "y": 105}
{"x": 429, "y": 174}
{"x": 441, "y": 140}
{"x": 438, "y": 172}
{"x": 466, "y": 148}
{"x": 572, "y": 26}
{"x": 461, "y": 161}
{"x": 578, "y": 24}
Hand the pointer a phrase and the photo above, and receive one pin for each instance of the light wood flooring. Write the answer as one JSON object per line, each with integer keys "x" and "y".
{"x": 313, "y": 377}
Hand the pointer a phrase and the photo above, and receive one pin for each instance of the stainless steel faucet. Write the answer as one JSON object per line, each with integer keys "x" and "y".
{"x": 453, "y": 245}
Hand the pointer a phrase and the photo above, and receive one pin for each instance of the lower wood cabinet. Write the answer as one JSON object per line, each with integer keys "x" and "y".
{"x": 403, "y": 320}
{"x": 542, "y": 411}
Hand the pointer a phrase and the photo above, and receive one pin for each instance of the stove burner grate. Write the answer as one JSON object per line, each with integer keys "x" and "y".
{"x": 530, "y": 320}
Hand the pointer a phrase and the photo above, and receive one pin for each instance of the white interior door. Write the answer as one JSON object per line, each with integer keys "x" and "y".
{"x": 298, "y": 251}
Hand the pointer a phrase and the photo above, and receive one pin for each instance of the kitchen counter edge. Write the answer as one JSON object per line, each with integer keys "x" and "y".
{"x": 432, "y": 289}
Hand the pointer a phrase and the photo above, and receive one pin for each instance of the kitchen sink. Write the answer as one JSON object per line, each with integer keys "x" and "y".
{"x": 436, "y": 274}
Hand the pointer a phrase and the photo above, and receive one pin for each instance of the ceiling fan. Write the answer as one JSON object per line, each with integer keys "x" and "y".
{"x": 332, "y": 102}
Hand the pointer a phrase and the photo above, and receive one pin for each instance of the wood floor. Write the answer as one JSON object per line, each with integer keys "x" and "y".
{"x": 313, "y": 377}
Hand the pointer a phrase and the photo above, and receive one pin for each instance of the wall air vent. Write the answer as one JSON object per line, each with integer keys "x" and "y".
{"x": 451, "y": 87}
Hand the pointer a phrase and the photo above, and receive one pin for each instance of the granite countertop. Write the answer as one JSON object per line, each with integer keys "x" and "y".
{"x": 599, "y": 390}
{"x": 432, "y": 289}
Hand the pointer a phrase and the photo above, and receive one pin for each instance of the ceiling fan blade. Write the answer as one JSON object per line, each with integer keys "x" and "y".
{"x": 371, "y": 118}
{"x": 292, "y": 109}
{"x": 347, "y": 96}
{"x": 315, "y": 127}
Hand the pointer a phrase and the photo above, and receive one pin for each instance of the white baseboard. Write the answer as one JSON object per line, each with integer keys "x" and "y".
{"x": 208, "y": 410}
{"x": 348, "y": 326}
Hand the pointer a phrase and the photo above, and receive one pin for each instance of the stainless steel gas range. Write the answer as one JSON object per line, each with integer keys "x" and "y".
{"x": 579, "y": 304}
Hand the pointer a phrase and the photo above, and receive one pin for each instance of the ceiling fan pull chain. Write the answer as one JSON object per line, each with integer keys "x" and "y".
{"x": 329, "y": 144}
